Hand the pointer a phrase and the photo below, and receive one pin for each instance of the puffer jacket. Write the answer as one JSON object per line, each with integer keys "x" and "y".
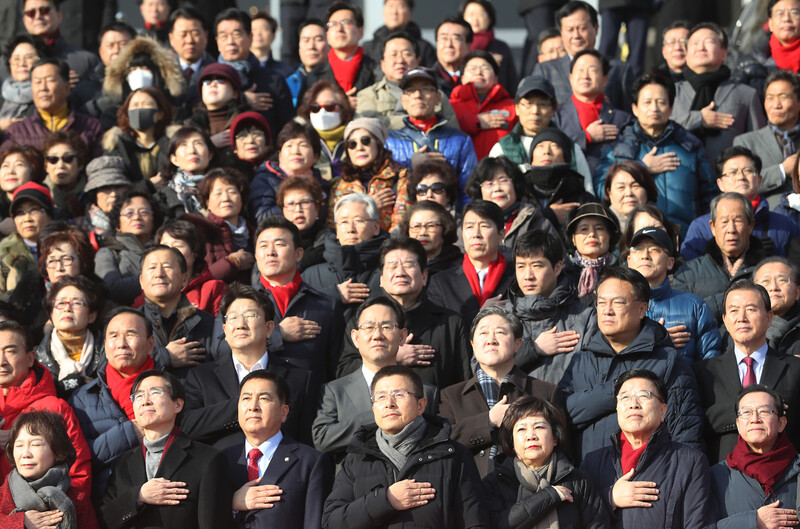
{"x": 785, "y": 209}
{"x": 513, "y": 507}
{"x": 683, "y": 308}
{"x": 692, "y": 183}
{"x": 681, "y": 473}
{"x": 264, "y": 190}
{"x": 391, "y": 176}
{"x": 752, "y": 69}
{"x": 738, "y": 496}
{"x": 378, "y": 101}
{"x": 358, "y": 499}
{"x": 529, "y": 217}
{"x": 65, "y": 386}
{"x": 562, "y": 310}
{"x": 456, "y": 147}
{"x": 467, "y": 105}
{"x": 118, "y": 265}
{"x": 588, "y": 386}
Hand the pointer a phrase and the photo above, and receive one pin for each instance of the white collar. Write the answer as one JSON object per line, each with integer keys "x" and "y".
{"x": 242, "y": 371}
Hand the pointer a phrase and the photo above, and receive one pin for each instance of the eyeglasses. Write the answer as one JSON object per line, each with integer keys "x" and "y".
{"x": 130, "y": 213}
{"x": 64, "y": 260}
{"x": 43, "y": 11}
{"x": 365, "y": 141}
{"x": 30, "y": 211}
{"x": 66, "y": 158}
{"x": 385, "y": 327}
{"x": 652, "y": 250}
{"x": 344, "y": 23}
{"x": 501, "y": 181}
{"x": 61, "y": 304}
{"x": 424, "y": 90}
{"x": 669, "y": 43}
{"x": 749, "y": 172}
{"x": 330, "y": 107}
{"x": 396, "y": 395}
{"x": 428, "y": 226}
{"x": 248, "y": 316}
{"x": 616, "y": 303}
{"x": 642, "y": 397}
{"x": 437, "y": 188}
{"x": 762, "y": 413}
{"x": 479, "y": 69}
{"x": 779, "y": 280}
{"x": 235, "y": 35}
{"x": 138, "y": 397}
{"x": 217, "y": 81}
{"x": 302, "y": 204}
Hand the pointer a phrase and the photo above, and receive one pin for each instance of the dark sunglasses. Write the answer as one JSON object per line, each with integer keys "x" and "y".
{"x": 43, "y": 12}
{"x": 67, "y": 158}
{"x": 365, "y": 141}
{"x": 438, "y": 188}
{"x": 330, "y": 107}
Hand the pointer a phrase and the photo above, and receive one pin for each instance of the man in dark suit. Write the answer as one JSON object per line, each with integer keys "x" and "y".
{"x": 588, "y": 118}
{"x": 747, "y": 316}
{"x": 578, "y": 24}
{"x": 188, "y": 37}
{"x": 475, "y": 408}
{"x": 169, "y": 481}
{"x": 212, "y": 390}
{"x": 460, "y": 288}
{"x": 278, "y": 481}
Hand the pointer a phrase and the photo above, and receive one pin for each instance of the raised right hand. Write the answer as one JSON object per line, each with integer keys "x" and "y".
{"x": 353, "y": 292}
{"x": 42, "y": 520}
{"x": 408, "y": 494}
{"x": 627, "y": 493}
{"x": 552, "y": 343}
{"x": 161, "y": 491}
{"x": 661, "y": 163}
{"x": 186, "y": 354}
{"x": 498, "y": 411}
{"x": 296, "y": 329}
{"x": 414, "y": 354}
{"x": 252, "y": 496}
{"x": 772, "y": 517}
{"x": 715, "y": 120}
{"x": 600, "y": 132}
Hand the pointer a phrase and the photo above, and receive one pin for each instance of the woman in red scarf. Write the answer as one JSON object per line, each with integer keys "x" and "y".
{"x": 481, "y": 17}
{"x": 756, "y": 486}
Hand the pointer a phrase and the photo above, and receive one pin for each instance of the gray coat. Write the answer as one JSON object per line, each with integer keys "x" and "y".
{"x": 119, "y": 266}
{"x": 739, "y": 496}
{"x": 764, "y": 143}
{"x": 378, "y": 101}
{"x": 730, "y": 98}
{"x": 620, "y": 79}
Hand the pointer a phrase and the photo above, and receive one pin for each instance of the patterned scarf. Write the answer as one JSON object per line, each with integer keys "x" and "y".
{"x": 185, "y": 186}
{"x": 787, "y": 138}
{"x": 589, "y": 270}
{"x": 99, "y": 219}
{"x": 533, "y": 480}
{"x": 491, "y": 392}
{"x": 241, "y": 67}
{"x": 493, "y": 277}
{"x": 731, "y": 267}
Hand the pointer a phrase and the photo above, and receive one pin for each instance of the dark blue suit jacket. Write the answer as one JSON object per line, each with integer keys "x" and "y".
{"x": 566, "y": 119}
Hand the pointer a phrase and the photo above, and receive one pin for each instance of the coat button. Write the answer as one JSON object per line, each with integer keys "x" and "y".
{"x": 482, "y": 453}
{"x": 421, "y": 460}
{"x": 430, "y": 457}
{"x": 287, "y": 459}
{"x": 450, "y": 449}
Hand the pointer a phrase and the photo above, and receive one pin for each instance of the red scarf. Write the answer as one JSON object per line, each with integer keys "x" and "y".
{"x": 154, "y": 27}
{"x": 496, "y": 269}
{"x": 764, "y": 468}
{"x": 121, "y": 386}
{"x": 786, "y": 57}
{"x": 424, "y": 124}
{"x": 481, "y": 40}
{"x": 756, "y": 202}
{"x": 283, "y": 295}
{"x": 51, "y": 40}
{"x": 345, "y": 72}
{"x": 630, "y": 456}
{"x": 588, "y": 113}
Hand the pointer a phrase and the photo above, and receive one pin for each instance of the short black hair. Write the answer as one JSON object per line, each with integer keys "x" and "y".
{"x": 61, "y": 66}
{"x": 188, "y": 232}
{"x": 400, "y": 35}
{"x": 733, "y": 152}
{"x": 342, "y": 5}
{"x": 189, "y": 12}
{"x": 409, "y": 3}
{"x": 649, "y": 78}
{"x": 404, "y": 243}
{"x": 783, "y": 75}
{"x": 485, "y": 171}
{"x": 780, "y": 407}
{"x": 174, "y": 385}
{"x": 119, "y": 27}
{"x": 605, "y": 65}
{"x": 281, "y": 386}
{"x": 37, "y": 42}
{"x": 459, "y": 21}
{"x": 539, "y": 241}
{"x": 48, "y": 424}
{"x": 746, "y": 284}
{"x": 282, "y": 223}
{"x": 116, "y": 311}
{"x": 661, "y": 386}
{"x": 263, "y": 15}
{"x": 114, "y": 214}
{"x": 386, "y": 301}
{"x": 782, "y": 260}
{"x": 549, "y": 33}
{"x": 573, "y": 7}
{"x": 488, "y": 211}
{"x": 485, "y": 4}
{"x": 485, "y": 55}
{"x": 723, "y": 37}
{"x": 160, "y": 247}
{"x": 682, "y": 24}
{"x": 14, "y": 326}
{"x": 770, "y": 5}
{"x": 517, "y": 328}
{"x": 641, "y": 288}
{"x": 310, "y": 22}
{"x": 389, "y": 371}
{"x": 235, "y": 14}
{"x": 240, "y": 291}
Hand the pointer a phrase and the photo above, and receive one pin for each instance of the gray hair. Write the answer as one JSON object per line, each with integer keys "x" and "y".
{"x": 748, "y": 207}
{"x": 363, "y": 198}
{"x": 516, "y": 324}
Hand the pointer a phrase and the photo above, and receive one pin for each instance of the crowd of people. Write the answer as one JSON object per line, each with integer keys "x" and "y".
{"x": 399, "y": 283}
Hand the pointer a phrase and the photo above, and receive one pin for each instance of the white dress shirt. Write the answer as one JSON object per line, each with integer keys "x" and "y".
{"x": 368, "y": 375}
{"x": 242, "y": 371}
{"x": 759, "y": 356}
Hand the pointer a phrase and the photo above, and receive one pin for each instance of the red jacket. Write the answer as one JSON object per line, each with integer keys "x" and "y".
{"x": 38, "y": 392}
{"x": 84, "y": 512}
{"x": 467, "y": 105}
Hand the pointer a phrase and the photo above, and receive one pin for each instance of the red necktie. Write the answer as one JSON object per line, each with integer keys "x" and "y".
{"x": 252, "y": 463}
{"x": 750, "y": 374}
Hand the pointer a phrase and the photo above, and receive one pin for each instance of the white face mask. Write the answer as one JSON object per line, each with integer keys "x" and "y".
{"x": 139, "y": 78}
{"x": 324, "y": 120}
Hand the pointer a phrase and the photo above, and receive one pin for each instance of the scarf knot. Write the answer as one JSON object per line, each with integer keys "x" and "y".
{"x": 705, "y": 85}
{"x": 398, "y": 447}
{"x": 589, "y": 272}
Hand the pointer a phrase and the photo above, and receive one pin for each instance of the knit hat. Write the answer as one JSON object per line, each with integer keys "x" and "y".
{"x": 106, "y": 171}
{"x": 557, "y": 137}
{"x": 218, "y": 69}
{"x": 33, "y": 191}
{"x": 248, "y": 119}
{"x": 371, "y": 125}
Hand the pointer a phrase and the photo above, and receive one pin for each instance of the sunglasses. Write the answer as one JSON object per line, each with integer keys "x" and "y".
{"x": 43, "y": 12}
{"x": 365, "y": 141}
{"x": 330, "y": 107}
{"x": 66, "y": 158}
{"x": 437, "y": 188}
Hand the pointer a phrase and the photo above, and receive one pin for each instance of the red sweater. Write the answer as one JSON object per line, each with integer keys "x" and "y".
{"x": 467, "y": 105}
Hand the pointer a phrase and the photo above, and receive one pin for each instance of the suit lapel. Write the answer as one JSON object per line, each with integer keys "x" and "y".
{"x": 227, "y": 376}
{"x": 562, "y": 65}
{"x": 723, "y": 91}
{"x": 358, "y": 391}
{"x": 769, "y": 143}
{"x": 730, "y": 374}
{"x": 774, "y": 366}
{"x": 282, "y": 460}
{"x": 173, "y": 458}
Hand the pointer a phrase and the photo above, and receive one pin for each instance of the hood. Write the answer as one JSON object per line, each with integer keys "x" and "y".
{"x": 652, "y": 336}
{"x": 37, "y": 385}
{"x": 162, "y": 57}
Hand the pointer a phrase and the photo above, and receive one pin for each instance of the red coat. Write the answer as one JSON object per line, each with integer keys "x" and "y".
{"x": 38, "y": 392}
{"x": 219, "y": 244}
{"x": 467, "y": 105}
{"x": 84, "y": 512}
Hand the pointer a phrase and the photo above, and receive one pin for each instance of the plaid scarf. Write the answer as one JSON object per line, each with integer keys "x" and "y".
{"x": 491, "y": 392}
{"x": 787, "y": 138}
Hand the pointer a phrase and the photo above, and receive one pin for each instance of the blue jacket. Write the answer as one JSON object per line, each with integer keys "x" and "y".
{"x": 786, "y": 210}
{"x": 264, "y": 190}
{"x": 295, "y": 82}
{"x": 682, "y": 308}
{"x": 692, "y": 183}
{"x": 588, "y": 386}
{"x": 456, "y": 147}
{"x": 778, "y": 228}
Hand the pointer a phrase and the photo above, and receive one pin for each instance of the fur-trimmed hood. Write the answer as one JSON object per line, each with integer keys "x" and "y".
{"x": 162, "y": 57}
